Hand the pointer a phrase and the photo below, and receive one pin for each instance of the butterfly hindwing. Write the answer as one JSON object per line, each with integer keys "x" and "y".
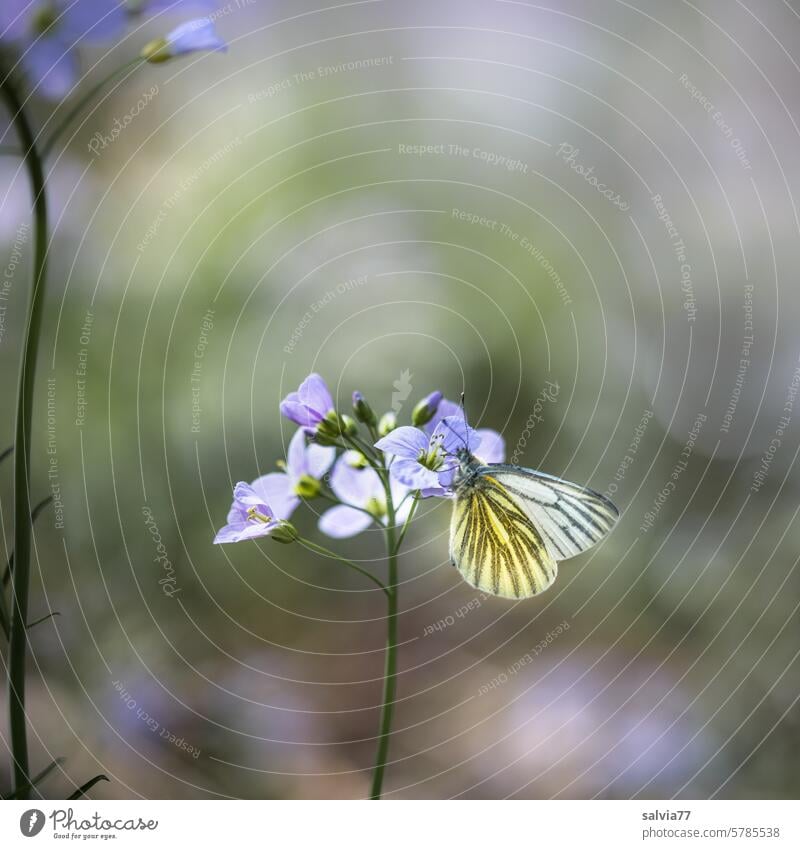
{"x": 494, "y": 543}
{"x": 569, "y": 518}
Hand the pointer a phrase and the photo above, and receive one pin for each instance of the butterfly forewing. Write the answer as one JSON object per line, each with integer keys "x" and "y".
{"x": 570, "y": 518}
{"x": 495, "y": 545}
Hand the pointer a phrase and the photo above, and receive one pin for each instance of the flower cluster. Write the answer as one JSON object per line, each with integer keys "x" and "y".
{"x": 369, "y": 478}
{"x": 44, "y": 35}
{"x": 370, "y": 471}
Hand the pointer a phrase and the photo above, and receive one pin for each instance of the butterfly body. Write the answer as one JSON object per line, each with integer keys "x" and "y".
{"x": 511, "y": 525}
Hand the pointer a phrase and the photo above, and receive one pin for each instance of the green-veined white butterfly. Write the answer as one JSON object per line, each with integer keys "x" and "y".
{"x": 512, "y": 525}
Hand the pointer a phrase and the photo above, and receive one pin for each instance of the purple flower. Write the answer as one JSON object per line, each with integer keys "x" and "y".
{"x": 361, "y": 490}
{"x": 192, "y": 36}
{"x": 309, "y": 405}
{"x": 250, "y": 516}
{"x": 305, "y": 466}
{"x": 490, "y": 446}
{"x": 189, "y": 37}
{"x": 428, "y": 462}
{"x": 46, "y": 32}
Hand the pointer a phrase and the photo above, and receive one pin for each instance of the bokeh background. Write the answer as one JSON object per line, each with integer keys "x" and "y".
{"x": 492, "y": 197}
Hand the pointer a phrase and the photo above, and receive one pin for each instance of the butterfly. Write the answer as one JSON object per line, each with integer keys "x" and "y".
{"x": 511, "y": 525}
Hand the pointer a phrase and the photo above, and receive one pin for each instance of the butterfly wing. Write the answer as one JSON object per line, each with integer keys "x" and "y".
{"x": 495, "y": 545}
{"x": 569, "y": 518}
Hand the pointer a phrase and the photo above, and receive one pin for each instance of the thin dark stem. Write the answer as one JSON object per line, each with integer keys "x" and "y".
{"x": 9, "y": 570}
{"x": 390, "y": 668}
{"x": 22, "y": 501}
{"x": 85, "y": 788}
{"x": 322, "y": 550}
{"x": 44, "y": 618}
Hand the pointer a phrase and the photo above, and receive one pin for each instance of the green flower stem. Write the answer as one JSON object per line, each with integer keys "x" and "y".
{"x": 407, "y": 522}
{"x": 87, "y": 98}
{"x": 328, "y": 553}
{"x": 366, "y": 449}
{"x": 38, "y": 779}
{"x": 390, "y": 669}
{"x": 22, "y": 502}
{"x": 9, "y": 570}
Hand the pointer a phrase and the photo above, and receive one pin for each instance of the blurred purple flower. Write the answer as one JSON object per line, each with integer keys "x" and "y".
{"x": 490, "y": 447}
{"x": 309, "y": 405}
{"x": 46, "y": 32}
{"x": 249, "y": 517}
{"x": 427, "y": 462}
{"x": 305, "y": 466}
{"x": 360, "y": 488}
{"x": 193, "y": 36}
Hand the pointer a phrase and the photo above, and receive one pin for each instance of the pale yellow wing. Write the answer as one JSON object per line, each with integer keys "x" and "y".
{"x": 496, "y": 546}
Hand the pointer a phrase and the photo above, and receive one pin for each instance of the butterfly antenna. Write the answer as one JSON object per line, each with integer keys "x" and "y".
{"x": 466, "y": 423}
{"x": 453, "y": 430}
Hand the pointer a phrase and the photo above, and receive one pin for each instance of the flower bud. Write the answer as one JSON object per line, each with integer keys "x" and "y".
{"x": 426, "y": 409}
{"x": 188, "y": 37}
{"x": 387, "y": 423}
{"x": 330, "y": 428}
{"x": 349, "y": 427}
{"x": 376, "y": 508}
{"x": 285, "y": 533}
{"x": 156, "y": 51}
{"x": 321, "y": 437}
{"x": 363, "y": 411}
{"x": 356, "y": 460}
{"x": 307, "y": 487}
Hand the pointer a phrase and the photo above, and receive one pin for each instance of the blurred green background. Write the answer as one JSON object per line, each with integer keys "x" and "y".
{"x": 517, "y": 194}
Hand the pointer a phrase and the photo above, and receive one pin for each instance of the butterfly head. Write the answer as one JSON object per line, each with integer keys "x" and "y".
{"x": 465, "y": 457}
{"x": 461, "y": 462}
{"x": 467, "y": 463}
